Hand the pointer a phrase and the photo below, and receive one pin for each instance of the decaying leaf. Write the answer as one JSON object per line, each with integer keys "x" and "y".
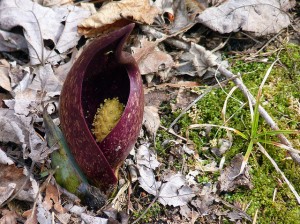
{"x": 114, "y": 15}
{"x": 19, "y": 129}
{"x": 31, "y": 217}
{"x": 227, "y": 182}
{"x": 88, "y": 219}
{"x": 197, "y": 61}
{"x": 39, "y": 86}
{"x": 4, "y": 74}
{"x": 12, "y": 41}
{"x": 184, "y": 98}
{"x": 172, "y": 191}
{"x": 146, "y": 157}
{"x": 8, "y": 217}
{"x": 43, "y": 215}
{"x": 52, "y": 199}
{"x": 259, "y": 16}
{"x": 151, "y": 120}
{"x": 12, "y": 179}
{"x": 50, "y": 33}
{"x": 149, "y": 58}
{"x": 51, "y": 3}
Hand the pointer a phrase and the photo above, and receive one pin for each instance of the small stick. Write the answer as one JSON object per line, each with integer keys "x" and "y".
{"x": 262, "y": 149}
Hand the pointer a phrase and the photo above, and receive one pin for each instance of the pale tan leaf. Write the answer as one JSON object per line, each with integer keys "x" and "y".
{"x": 52, "y": 199}
{"x": 8, "y": 217}
{"x": 4, "y": 77}
{"x": 113, "y": 14}
{"x": 151, "y": 120}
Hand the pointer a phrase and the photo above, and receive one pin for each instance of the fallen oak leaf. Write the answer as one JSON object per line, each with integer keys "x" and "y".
{"x": 115, "y": 15}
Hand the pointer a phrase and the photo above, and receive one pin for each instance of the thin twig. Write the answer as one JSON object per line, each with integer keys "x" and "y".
{"x": 262, "y": 149}
{"x": 146, "y": 210}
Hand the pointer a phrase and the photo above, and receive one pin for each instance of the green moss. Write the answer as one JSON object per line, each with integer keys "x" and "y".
{"x": 281, "y": 93}
{"x": 281, "y": 96}
{"x": 153, "y": 215}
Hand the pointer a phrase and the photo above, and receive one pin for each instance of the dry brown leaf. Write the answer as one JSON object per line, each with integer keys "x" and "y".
{"x": 112, "y": 15}
{"x": 184, "y": 98}
{"x": 4, "y": 77}
{"x": 31, "y": 218}
{"x": 50, "y": 33}
{"x": 12, "y": 179}
{"x": 8, "y": 217}
{"x": 150, "y": 58}
{"x": 226, "y": 181}
{"x": 52, "y": 199}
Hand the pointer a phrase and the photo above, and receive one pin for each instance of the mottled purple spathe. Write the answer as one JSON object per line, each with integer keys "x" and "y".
{"x": 102, "y": 71}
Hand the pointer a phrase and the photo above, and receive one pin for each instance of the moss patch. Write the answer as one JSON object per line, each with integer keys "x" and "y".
{"x": 281, "y": 99}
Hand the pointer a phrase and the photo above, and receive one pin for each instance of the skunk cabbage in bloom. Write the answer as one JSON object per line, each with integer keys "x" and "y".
{"x": 103, "y": 71}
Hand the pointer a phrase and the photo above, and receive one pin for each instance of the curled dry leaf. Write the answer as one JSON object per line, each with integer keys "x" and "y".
{"x": 197, "y": 61}
{"x": 228, "y": 180}
{"x": 174, "y": 189}
{"x": 114, "y": 15}
{"x": 151, "y": 120}
{"x": 259, "y": 16}
{"x": 52, "y": 199}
